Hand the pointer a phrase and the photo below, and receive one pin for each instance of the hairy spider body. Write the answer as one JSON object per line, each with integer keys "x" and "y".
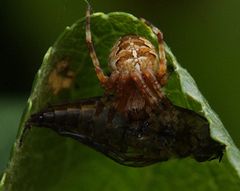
{"x": 138, "y": 70}
{"x": 133, "y": 60}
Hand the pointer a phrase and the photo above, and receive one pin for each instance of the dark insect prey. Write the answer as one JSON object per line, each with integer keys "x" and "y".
{"x": 138, "y": 139}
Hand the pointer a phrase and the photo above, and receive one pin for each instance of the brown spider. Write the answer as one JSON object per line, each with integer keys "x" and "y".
{"x": 138, "y": 70}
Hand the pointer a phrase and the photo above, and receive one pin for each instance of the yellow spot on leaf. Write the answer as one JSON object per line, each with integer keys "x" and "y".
{"x": 61, "y": 77}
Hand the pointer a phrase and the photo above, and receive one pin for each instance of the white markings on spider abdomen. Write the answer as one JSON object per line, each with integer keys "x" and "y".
{"x": 133, "y": 53}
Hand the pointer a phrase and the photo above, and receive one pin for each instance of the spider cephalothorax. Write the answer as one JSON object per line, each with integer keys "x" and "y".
{"x": 138, "y": 70}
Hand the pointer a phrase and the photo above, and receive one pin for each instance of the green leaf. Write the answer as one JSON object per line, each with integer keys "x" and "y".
{"x": 47, "y": 161}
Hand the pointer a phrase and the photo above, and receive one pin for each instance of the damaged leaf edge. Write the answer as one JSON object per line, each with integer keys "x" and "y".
{"x": 217, "y": 130}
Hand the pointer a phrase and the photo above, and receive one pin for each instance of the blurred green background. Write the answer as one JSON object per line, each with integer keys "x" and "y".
{"x": 203, "y": 35}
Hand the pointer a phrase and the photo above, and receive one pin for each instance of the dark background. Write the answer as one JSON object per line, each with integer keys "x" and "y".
{"x": 204, "y": 36}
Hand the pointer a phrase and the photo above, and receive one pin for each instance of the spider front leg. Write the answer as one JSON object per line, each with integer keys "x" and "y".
{"x": 119, "y": 90}
{"x": 162, "y": 71}
{"x": 149, "y": 76}
{"x": 112, "y": 81}
{"x": 142, "y": 86}
{"x": 100, "y": 74}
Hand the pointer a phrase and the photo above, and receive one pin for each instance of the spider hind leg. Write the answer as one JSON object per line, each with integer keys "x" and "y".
{"x": 100, "y": 74}
{"x": 162, "y": 57}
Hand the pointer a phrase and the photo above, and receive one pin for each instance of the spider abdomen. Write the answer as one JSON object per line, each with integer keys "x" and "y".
{"x": 133, "y": 53}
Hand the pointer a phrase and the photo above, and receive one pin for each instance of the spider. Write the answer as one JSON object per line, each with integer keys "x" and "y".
{"x": 138, "y": 70}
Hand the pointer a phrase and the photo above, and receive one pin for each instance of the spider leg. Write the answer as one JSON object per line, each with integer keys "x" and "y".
{"x": 163, "y": 62}
{"x": 121, "y": 93}
{"x": 100, "y": 74}
{"x": 121, "y": 84}
{"x": 148, "y": 74}
{"x": 137, "y": 78}
{"x": 112, "y": 81}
